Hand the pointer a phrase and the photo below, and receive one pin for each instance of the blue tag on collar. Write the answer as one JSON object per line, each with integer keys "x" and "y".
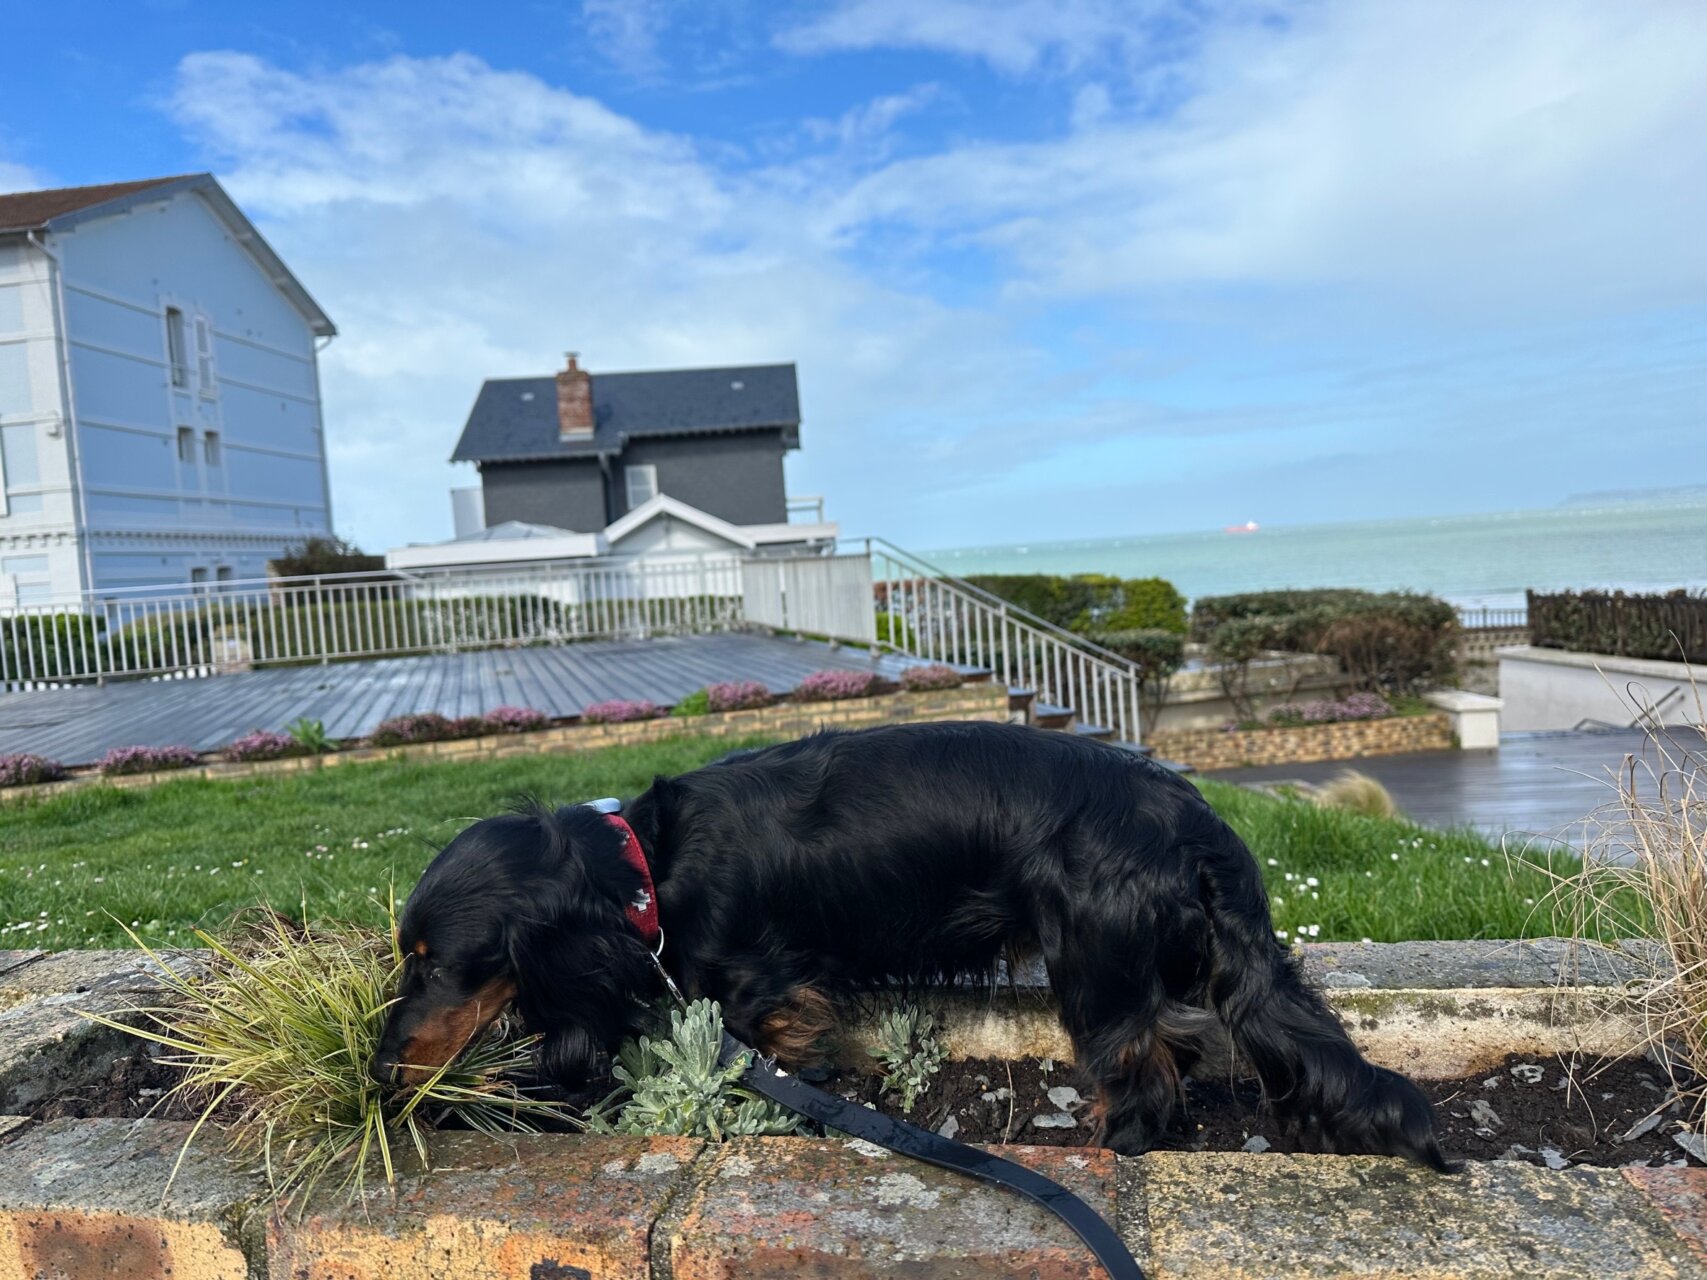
{"x": 609, "y": 804}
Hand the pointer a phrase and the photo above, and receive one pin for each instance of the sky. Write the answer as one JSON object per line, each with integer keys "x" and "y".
{"x": 1048, "y": 268}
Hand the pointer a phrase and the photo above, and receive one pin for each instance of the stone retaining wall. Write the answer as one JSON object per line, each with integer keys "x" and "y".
{"x": 977, "y": 700}
{"x": 1208, "y": 749}
{"x": 83, "y": 1198}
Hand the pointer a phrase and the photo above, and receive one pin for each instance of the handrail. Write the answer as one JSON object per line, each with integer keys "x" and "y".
{"x": 1007, "y": 606}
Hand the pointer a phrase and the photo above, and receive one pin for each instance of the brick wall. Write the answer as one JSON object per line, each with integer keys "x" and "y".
{"x": 1208, "y": 749}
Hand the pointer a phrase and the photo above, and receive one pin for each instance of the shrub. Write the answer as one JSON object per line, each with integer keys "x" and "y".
{"x": 323, "y": 555}
{"x": 276, "y": 1034}
{"x": 263, "y": 744}
{"x": 469, "y": 727}
{"x": 697, "y": 703}
{"x": 514, "y": 720}
{"x": 893, "y": 629}
{"x": 833, "y": 686}
{"x": 1091, "y": 601}
{"x": 123, "y": 760}
{"x": 423, "y": 726}
{"x": 935, "y": 675}
{"x": 25, "y": 770}
{"x": 311, "y": 735}
{"x": 674, "y": 1085}
{"x": 1358, "y": 706}
{"x": 1670, "y": 627}
{"x": 909, "y": 1052}
{"x": 620, "y": 711}
{"x": 737, "y": 695}
{"x": 1158, "y": 653}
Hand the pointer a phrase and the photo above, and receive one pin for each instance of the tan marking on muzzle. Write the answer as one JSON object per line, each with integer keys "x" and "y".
{"x": 449, "y": 1031}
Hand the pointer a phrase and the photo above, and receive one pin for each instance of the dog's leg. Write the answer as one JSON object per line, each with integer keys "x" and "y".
{"x": 783, "y": 1015}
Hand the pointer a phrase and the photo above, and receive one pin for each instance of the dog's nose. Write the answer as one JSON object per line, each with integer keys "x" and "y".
{"x": 383, "y": 1070}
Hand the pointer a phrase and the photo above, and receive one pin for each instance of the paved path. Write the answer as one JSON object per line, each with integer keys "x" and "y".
{"x": 78, "y": 725}
{"x": 1539, "y": 783}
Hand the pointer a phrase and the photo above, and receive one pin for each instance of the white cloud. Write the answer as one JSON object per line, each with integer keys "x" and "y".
{"x": 18, "y": 177}
{"x": 627, "y": 31}
{"x": 1464, "y": 153}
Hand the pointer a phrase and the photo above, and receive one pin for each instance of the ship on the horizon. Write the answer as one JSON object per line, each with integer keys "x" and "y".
{"x": 1249, "y": 526}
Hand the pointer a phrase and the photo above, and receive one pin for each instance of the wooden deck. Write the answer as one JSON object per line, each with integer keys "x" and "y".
{"x": 1535, "y": 784}
{"x": 79, "y": 725}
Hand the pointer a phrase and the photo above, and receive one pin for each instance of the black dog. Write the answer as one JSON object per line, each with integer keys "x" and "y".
{"x": 793, "y": 878}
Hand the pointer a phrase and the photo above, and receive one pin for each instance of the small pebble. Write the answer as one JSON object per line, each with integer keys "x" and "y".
{"x": 1527, "y": 1073}
{"x": 1065, "y": 1097}
{"x": 1484, "y": 1115}
{"x": 1694, "y": 1143}
{"x": 1059, "y": 1120}
{"x": 949, "y": 1127}
{"x": 1255, "y": 1144}
{"x": 1553, "y": 1158}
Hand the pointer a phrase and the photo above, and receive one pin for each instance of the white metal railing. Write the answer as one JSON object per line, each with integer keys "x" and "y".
{"x": 1482, "y": 619}
{"x": 927, "y": 613}
{"x": 210, "y": 628}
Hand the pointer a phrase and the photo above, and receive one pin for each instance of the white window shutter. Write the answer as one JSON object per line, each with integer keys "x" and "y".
{"x": 204, "y": 355}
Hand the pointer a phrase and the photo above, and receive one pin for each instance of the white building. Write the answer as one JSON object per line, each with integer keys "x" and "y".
{"x": 159, "y": 395}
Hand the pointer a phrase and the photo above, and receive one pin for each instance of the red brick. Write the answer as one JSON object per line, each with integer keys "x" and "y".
{"x": 775, "y": 1207}
{"x": 494, "y": 1209}
{"x": 1681, "y": 1195}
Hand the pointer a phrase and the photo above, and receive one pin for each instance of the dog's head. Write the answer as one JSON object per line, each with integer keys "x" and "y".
{"x": 525, "y": 908}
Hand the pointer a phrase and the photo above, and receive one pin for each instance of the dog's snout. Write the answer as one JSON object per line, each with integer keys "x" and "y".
{"x": 382, "y": 1069}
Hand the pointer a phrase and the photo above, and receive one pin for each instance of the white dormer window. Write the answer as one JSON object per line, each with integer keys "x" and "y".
{"x": 642, "y": 484}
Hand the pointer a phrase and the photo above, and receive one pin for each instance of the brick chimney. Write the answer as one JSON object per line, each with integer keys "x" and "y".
{"x": 574, "y": 402}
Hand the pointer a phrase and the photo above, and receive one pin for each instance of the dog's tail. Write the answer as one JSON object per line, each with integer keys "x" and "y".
{"x": 1310, "y": 1069}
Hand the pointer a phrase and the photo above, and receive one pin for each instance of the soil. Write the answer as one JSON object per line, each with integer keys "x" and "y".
{"x": 1541, "y": 1111}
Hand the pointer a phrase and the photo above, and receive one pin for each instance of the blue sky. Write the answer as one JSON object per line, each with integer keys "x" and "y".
{"x": 1049, "y": 268}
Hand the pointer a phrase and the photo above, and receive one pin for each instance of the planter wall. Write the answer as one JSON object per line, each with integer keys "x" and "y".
{"x": 982, "y": 700}
{"x": 1208, "y": 749}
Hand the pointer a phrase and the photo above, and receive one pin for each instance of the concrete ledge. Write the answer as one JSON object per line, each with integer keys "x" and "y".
{"x": 1475, "y": 717}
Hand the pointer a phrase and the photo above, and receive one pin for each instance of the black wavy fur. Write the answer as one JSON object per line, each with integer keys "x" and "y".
{"x": 844, "y": 861}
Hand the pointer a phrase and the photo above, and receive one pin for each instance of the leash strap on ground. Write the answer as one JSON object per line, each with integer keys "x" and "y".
{"x": 921, "y": 1144}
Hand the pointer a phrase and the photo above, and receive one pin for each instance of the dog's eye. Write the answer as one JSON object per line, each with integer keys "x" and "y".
{"x": 435, "y": 974}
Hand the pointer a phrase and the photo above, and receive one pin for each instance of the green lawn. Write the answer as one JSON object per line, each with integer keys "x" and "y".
{"x": 334, "y": 843}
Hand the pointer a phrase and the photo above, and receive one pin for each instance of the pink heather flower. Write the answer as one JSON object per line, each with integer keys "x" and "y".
{"x": 263, "y": 744}
{"x": 122, "y": 760}
{"x": 515, "y": 719}
{"x": 833, "y": 686}
{"x": 938, "y": 675}
{"x": 620, "y": 710}
{"x": 22, "y": 770}
{"x": 425, "y": 726}
{"x": 737, "y": 695}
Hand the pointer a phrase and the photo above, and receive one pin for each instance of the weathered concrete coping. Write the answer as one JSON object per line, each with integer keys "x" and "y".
{"x": 82, "y": 1199}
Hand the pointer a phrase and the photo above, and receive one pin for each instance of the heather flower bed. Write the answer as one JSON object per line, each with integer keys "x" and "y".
{"x": 124, "y": 760}
{"x": 25, "y": 770}
{"x": 937, "y": 675}
{"x": 621, "y": 711}
{"x": 737, "y": 695}
{"x": 1358, "y": 706}
{"x": 263, "y": 744}
{"x": 833, "y": 686}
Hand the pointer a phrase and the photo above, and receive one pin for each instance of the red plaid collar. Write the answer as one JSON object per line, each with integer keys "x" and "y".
{"x": 643, "y": 911}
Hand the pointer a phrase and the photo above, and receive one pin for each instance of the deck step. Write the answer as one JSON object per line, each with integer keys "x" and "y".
{"x": 1094, "y": 731}
{"x": 1046, "y": 715}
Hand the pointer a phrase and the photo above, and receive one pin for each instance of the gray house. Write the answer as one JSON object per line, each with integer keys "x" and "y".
{"x": 579, "y": 452}
{"x": 672, "y": 461}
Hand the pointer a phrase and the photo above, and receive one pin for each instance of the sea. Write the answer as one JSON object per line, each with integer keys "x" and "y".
{"x": 1474, "y": 561}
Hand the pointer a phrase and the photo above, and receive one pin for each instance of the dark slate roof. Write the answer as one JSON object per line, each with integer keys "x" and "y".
{"x": 515, "y": 419}
{"x": 62, "y": 208}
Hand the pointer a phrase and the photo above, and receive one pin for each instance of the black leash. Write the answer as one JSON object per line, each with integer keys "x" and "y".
{"x": 762, "y": 1076}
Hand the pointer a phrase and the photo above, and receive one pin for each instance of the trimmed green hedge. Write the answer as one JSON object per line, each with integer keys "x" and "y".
{"x": 1670, "y": 627}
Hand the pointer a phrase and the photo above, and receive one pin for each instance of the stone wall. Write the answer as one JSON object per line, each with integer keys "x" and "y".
{"x": 982, "y": 700}
{"x": 1208, "y": 749}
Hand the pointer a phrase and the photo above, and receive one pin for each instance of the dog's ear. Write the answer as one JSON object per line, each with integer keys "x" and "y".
{"x": 582, "y": 974}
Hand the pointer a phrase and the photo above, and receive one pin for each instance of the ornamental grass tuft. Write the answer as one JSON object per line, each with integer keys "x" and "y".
{"x": 273, "y": 1037}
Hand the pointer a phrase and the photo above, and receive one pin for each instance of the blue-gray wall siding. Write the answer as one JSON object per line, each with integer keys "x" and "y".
{"x": 738, "y": 478}
{"x": 566, "y": 495}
